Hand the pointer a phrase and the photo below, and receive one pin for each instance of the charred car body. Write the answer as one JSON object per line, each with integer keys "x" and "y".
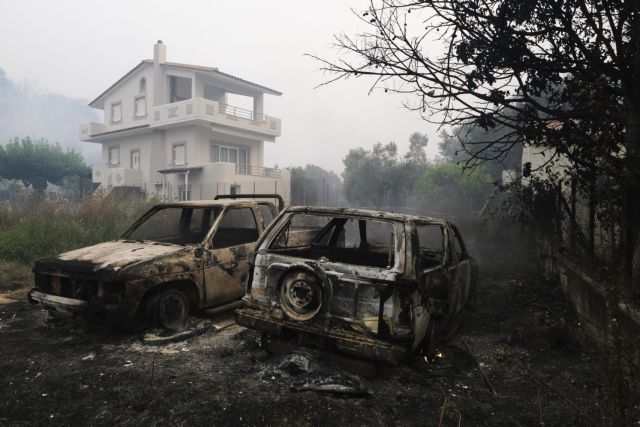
{"x": 373, "y": 284}
{"x": 177, "y": 257}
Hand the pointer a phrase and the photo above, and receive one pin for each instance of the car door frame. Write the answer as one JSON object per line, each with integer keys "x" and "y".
{"x": 228, "y": 264}
{"x": 460, "y": 270}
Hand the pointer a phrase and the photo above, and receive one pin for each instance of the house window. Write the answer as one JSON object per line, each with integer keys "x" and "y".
{"x": 135, "y": 159}
{"x": 143, "y": 85}
{"x": 141, "y": 106}
{"x": 220, "y": 153}
{"x": 114, "y": 155}
{"x": 234, "y": 189}
{"x": 116, "y": 112}
{"x": 179, "y": 89}
{"x": 242, "y": 160}
{"x": 179, "y": 154}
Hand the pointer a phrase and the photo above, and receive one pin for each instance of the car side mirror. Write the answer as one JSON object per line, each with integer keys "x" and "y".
{"x": 198, "y": 252}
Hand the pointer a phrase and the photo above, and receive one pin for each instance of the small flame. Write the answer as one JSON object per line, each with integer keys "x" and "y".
{"x": 439, "y": 355}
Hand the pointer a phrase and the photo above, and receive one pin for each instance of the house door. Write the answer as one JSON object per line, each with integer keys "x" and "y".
{"x": 135, "y": 159}
{"x": 226, "y": 269}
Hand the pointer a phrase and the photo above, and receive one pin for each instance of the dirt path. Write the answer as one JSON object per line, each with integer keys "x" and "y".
{"x": 521, "y": 337}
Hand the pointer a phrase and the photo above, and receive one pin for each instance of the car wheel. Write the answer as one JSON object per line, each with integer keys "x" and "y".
{"x": 301, "y": 295}
{"x": 169, "y": 309}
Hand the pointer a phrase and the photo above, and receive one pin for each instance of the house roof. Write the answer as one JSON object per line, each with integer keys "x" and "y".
{"x": 191, "y": 67}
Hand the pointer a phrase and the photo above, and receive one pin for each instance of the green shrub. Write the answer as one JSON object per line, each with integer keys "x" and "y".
{"x": 32, "y": 239}
{"x": 43, "y": 228}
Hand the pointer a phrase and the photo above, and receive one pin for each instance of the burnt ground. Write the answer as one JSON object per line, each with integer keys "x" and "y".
{"x": 522, "y": 334}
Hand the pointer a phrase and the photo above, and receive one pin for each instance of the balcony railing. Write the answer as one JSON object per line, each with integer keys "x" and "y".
{"x": 243, "y": 169}
{"x": 241, "y": 112}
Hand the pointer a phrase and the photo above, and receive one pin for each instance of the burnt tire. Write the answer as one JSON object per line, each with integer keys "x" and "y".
{"x": 301, "y": 295}
{"x": 169, "y": 309}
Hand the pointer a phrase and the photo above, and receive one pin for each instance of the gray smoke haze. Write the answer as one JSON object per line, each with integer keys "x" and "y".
{"x": 26, "y": 112}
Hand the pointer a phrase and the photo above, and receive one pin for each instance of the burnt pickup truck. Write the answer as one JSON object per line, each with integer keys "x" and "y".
{"x": 378, "y": 285}
{"x": 176, "y": 258}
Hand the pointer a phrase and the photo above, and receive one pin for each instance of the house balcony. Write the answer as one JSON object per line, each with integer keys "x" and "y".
{"x": 117, "y": 177}
{"x": 219, "y": 116}
{"x": 88, "y": 130}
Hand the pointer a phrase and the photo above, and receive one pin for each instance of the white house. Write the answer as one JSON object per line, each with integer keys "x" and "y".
{"x": 170, "y": 131}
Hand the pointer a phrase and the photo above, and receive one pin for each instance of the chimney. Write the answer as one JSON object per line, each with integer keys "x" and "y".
{"x": 159, "y": 53}
{"x": 159, "y": 57}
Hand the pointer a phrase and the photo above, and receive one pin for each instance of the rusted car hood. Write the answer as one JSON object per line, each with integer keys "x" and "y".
{"x": 112, "y": 256}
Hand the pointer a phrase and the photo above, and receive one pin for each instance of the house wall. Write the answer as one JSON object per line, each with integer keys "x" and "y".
{"x": 158, "y": 158}
{"x": 187, "y": 135}
{"x": 143, "y": 143}
{"x": 126, "y": 94}
{"x": 539, "y": 158}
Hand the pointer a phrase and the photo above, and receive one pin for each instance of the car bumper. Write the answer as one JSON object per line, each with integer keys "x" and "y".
{"x": 344, "y": 341}
{"x": 74, "y": 306}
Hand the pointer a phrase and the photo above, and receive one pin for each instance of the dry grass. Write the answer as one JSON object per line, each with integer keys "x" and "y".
{"x": 16, "y": 279}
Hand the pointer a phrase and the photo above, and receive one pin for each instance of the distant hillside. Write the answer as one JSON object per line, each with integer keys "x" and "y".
{"x": 25, "y": 112}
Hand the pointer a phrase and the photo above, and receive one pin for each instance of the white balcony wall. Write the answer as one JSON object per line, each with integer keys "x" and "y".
{"x": 204, "y": 110}
{"x": 93, "y": 128}
{"x": 117, "y": 177}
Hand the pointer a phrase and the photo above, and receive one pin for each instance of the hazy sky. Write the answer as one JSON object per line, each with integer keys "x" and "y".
{"x": 79, "y": 48}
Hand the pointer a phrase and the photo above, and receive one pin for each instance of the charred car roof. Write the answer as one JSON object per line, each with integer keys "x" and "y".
{"x": 208, "y": 203}
{"x": 367, "y": 213}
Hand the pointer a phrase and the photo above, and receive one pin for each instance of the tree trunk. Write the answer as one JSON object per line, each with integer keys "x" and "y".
{"x": 631, "y": 186}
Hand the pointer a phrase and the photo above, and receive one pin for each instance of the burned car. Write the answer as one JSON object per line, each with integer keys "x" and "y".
{"x": 373, "y": 284}
{"x": 176, "y": 258}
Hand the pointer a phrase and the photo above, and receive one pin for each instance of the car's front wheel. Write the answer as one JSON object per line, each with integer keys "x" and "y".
{"x": 301, "y": 295}
{"x": 169, "y": 309}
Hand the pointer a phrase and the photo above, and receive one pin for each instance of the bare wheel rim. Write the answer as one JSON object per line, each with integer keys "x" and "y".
{"x": 171, "y": 309}
{"x": 301, "y": 296}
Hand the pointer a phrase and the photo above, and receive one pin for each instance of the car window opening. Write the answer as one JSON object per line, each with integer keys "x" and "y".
{"x": 338, "y": 239}
{"x": 431, "y": 240}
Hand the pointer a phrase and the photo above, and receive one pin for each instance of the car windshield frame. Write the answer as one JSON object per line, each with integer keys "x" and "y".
{"x": 215, "y": 213}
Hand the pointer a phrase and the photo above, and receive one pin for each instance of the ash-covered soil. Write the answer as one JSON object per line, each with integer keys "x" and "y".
{"x": 522, "y": 336}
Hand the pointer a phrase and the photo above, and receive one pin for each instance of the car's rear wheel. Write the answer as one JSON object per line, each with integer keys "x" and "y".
{"x": 301, "y": 295}
{"x": 169, "y": 309}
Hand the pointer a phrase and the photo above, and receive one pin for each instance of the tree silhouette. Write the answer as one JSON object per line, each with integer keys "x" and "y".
{"x": 560, "y": 74}
{"x": 36, "y": 162}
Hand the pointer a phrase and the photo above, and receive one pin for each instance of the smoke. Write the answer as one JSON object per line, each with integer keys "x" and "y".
{"x": 56, "y": 118}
